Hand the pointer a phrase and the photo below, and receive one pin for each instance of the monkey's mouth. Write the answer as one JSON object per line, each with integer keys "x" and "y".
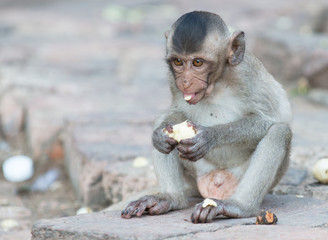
{"x": 191, "y": 98}
{"x": 188, "y": 96}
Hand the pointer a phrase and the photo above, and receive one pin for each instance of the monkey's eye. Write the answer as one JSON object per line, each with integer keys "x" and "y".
{"x": 177, "y": 62}
{"x": 197, "y": 62}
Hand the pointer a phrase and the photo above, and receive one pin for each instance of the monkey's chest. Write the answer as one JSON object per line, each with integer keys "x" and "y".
{"x": 206, "y": 114}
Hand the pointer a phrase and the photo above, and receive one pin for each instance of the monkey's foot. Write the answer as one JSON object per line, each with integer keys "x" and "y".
{"x": 207, "y": 214}
{"x": 155, "y": 205}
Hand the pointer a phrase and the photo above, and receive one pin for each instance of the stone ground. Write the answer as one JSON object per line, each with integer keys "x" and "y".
{"x": 82, "y": 81}
{"x": 294, "y": 223}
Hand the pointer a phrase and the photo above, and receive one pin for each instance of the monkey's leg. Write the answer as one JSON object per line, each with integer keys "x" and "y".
{"x": 172, "y": 188}
{"x": 268, "y": 163}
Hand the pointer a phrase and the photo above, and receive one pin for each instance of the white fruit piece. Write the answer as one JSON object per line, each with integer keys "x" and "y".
{"x": 84, "y": 210}
{"x": 209, "y": 202}
{"x": 181, "y": 131}
{"x": 320, "y": 170}
{"x": 187, "y": 97}
{"x": 140, "y": 162}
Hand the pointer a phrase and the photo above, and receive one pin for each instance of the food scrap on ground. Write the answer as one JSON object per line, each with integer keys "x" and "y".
{"x": 266, "y": 218}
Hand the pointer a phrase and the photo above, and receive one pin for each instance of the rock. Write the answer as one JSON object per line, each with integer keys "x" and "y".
{"x": 290, "y": 56}
{"x": 99, "y": 159}
{"x": 12, "y": 116}
{"x": 293, "y": 177}
{"x": 305, "y": 135}
{"x": 121, "y": 180}
{"x": 258, "y": 232}
{"x": 316, "y": 68}
{"x": 56, "y": 151}
{"x": 294, "y": 214}
{"x": 319, "y": 96}
{"x": 15, "y": 219}
{"x": 321, "y": 21}
{"x": 43, "y": 182}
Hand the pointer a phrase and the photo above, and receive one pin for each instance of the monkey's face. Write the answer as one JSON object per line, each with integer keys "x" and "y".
{"x": 198, "y": 47}
{"x": 192, "y": 75}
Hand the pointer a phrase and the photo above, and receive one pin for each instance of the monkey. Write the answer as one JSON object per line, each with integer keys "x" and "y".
{"x": 240, "y": 113}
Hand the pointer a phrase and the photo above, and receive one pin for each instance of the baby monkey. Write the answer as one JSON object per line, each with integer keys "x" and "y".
{"x": 241, "y": 116}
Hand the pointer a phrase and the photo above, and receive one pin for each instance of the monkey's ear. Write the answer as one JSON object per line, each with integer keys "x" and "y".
{"x": 166, "y": 34}
{"x": 236, "y": 48}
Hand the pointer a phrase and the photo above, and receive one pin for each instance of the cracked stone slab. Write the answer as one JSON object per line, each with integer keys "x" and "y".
{"x": 100, "y": 156}
{"x": 297, "y": 217}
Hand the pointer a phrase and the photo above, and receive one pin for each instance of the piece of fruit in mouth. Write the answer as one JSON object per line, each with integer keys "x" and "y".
{"x": 188, "y": 96}
{"x": 181, "y": 131}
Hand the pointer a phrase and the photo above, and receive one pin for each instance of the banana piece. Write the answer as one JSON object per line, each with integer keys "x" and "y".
{"x": 181, "y": 131}
{"x": 187, "y": 97}
{"x": 209, "y": 202}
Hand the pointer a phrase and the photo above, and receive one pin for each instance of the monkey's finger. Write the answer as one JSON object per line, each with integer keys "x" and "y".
{"x": 211, "y": 215}
{"x": 141, "y": 209}
{"x": 188, "y": 142}
{"x": 190, "y": 149}
{"x": 128, "y": 206}
{"x": 171, "y": 141}
{"x": 183, "y": 156}
{"x": 169, "y": 128}
{"x": 158, "y": 208}
{"x": 203, "y": 215}
{"x": 198, "y": 155}
{"x": 147, "y": 203}
{"x": 128, "y": 212}
{"x": 196, "y": 158}
{"x": 196, "y": 213}
{"x": 188, "y": 157}
{"x": 198, "y": 147}
{"x": 193, "y": 156}
{"x": 184, "y": 150}
{"x": 191, "y": 124}
{"x": 165, "y": 148}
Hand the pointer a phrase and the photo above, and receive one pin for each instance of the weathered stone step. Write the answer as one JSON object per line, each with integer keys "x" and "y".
{"x": 298, "y": 218}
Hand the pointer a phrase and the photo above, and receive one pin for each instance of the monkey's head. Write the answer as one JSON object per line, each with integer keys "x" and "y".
{"x": 199, "y": 47}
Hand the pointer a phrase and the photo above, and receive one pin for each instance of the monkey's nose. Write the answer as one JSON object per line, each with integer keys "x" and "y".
{"x": 186, "y": 83}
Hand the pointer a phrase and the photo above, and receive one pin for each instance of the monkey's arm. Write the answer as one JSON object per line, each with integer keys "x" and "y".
{"x": 247, "y": 131}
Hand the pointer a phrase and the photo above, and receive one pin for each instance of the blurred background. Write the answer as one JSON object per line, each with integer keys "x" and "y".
{"x": 81, "y": 82}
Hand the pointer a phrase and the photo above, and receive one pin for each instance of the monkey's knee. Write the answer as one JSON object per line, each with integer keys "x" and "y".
{"x": 282, "y": 132}
{"x": 282, "y": 136}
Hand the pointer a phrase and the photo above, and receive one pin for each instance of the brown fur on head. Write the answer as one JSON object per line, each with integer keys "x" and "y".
{"x": 198, "y": 48}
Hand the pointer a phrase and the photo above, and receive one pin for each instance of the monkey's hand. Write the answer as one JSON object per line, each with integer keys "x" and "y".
{"x": 155, "y": 205}
{"x": 162, "y": 142}
{"x": 197, "y": 147}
